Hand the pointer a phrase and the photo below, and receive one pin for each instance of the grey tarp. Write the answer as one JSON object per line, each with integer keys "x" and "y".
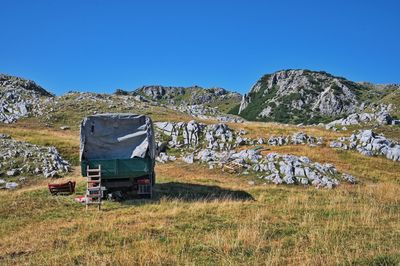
{"x": 116, "y": 136}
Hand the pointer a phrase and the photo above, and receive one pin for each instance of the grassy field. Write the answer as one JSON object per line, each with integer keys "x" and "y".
{"x": 202, "y": 216}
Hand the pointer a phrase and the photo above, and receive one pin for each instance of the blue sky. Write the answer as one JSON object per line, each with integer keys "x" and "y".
{"x": 103, "y": 45}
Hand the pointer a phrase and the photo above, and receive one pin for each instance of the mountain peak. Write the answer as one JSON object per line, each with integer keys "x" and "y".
{"x": 301, "y": 96}
{"x": 12, "y": 82}
{"x": 189, "y": 95}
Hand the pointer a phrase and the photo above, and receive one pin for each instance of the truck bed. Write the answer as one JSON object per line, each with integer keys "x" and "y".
{"x": 120, "y": 168}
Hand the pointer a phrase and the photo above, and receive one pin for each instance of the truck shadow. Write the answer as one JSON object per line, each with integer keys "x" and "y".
{"x": 191, "y": 192}
{"x": 197, "y": 192}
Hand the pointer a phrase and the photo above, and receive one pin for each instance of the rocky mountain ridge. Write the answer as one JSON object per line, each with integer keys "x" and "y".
{"x": 287, "y": 96}
{"x": 20, "y": 97}
{"x": 193, "y": 95}
{"x": 304, "y": 96}
{"x": 12, "y": 82}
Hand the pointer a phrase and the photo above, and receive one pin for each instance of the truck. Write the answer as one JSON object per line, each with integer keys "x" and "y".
{"x": 122, "y": 146}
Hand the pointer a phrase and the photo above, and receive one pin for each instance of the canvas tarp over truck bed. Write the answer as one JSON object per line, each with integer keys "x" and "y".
{"x": 122, "y": 143}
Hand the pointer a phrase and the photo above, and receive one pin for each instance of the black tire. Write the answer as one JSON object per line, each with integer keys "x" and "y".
{"x": 153, "y": 178}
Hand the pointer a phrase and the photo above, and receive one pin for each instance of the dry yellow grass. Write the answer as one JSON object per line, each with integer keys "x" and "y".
{"x": 282, "y": 225}
{"x": 202, "y": 216}
{"x": 266, "y": 130}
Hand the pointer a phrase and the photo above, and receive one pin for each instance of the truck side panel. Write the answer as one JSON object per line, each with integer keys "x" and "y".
{"x": 121, "y": 168}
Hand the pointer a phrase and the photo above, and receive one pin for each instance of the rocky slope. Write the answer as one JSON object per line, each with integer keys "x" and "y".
{"x": 195, "y": 95}
{"x": 22, "y": 158}
{"x": 369, "y": 143}
{"x": 289, "y": 96}
{"x": 20, "y": 97}
{"x": 303, "y": 96}
{"x": 217, "y": 145}
{"x": 378, "y": 116}
{"x": 219, "y": 136}
{"x": 12, "y": 82}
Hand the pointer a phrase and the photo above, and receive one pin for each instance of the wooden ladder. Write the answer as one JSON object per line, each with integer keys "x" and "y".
{"x": 93, "y": 187}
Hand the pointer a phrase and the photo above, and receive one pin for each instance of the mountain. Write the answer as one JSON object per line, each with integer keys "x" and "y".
{"x": 304, "y": 96}
{"x": 383, "y": 94}
{"x": 20, "y": 97}
{"x": 195, "y": 95}
{"x": 12, "y": 82}
{"x": 288, "y": 96}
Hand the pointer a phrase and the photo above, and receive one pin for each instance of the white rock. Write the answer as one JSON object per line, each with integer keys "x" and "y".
{"x": 11, "y": 185}
{"x": 188, "y": 158}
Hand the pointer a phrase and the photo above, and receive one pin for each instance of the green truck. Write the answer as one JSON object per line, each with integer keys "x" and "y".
{"x": 123, "y": 146}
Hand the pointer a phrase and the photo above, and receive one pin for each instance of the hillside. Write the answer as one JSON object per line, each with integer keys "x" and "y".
{"x": 20, "y": 97}
{"x": 387, "y": 94}
{"x": 226, "y": 193}
{"x": 195, "y": 95}
{"x": 304, "y": 96}
{"x": 12, "y": 82}
{"x": 208, "y": 216}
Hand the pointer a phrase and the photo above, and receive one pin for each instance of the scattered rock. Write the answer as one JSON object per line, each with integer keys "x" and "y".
{"x": 349, "y": 178}
{"x": 369, "y": 143}
{"x": 12, "y": 172}
{"x": 188, "y": 158}
{"x": 277, "y": 168}
{"x": 140, "y": 98}
{"x": 19, "y": 98}
{"x": 194, "y": 95}
{"x": 4, "y": 136}
{"x": 19, "y": 157}
{"x": 380, "y": 116}
{"x": 194, "y": 134}
{"x": 163, "y": 158}
{"x": 11, "y": 185}
{"x": 296, "y": 139}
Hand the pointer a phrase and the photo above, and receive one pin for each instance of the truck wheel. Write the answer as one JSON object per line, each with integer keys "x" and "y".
{"x": 153, "y": 178}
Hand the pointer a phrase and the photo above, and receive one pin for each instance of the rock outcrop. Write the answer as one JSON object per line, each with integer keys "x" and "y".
{"x": 244, "y": 103}
{"x": 11, "y": 82}
{"x": 194, "y": 134}
{"x": 20, "y": 98}
{"x": 187, "y": 95}
{"x": 295, "y": 139}
{"x": 215, "y": 145}
{"x": 380, "y": 116}
{"x": 303, "y": 96}
{"x": 207, "y": 113}
{"x": 19, "y": 158}
{"x": 163, "y": 158}
{"x": 369, "y": 143}
{"x": 220, "y": 136}
{"x": 277, "y": 168}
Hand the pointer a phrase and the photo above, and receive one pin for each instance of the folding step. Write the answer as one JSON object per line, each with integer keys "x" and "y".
{"x": 92, "y": 170}
{"x": 94, "y": 189}
{"x": 94, "y": 181}
{"x": 92, "y": 176}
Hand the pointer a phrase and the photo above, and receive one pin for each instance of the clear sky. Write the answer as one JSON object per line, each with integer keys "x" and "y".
{"x": 90, "y": 45}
